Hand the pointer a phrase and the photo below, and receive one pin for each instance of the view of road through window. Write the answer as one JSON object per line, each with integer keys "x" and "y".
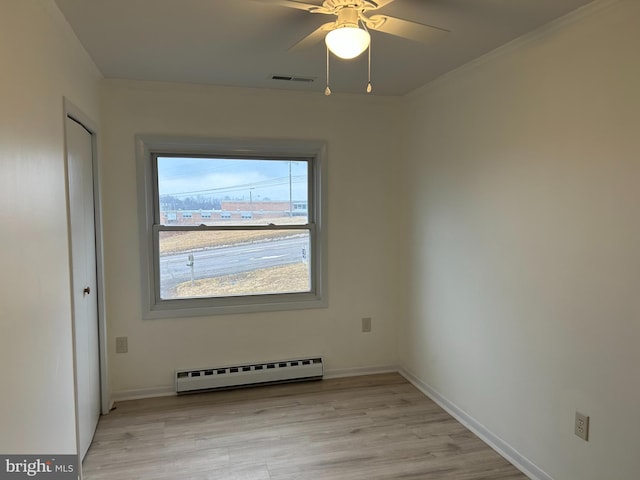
{"x": 232, "y": 227}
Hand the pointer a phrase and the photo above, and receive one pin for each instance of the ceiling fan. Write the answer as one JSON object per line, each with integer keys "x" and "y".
{"x": 351, "y": 14}
{"x": 345, "y": 38}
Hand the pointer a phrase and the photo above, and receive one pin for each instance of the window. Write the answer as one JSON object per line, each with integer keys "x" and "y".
{"x": 231, "y": 225}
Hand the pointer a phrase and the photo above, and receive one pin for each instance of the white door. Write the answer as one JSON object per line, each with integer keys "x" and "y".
{"x": 85, "y": 295}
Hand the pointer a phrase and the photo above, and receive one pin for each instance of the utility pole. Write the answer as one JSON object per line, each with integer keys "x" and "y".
{"x": 290, "y": 193}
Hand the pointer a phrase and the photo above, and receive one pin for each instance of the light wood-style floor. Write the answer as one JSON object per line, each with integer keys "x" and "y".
{"x": 370, "y": 427}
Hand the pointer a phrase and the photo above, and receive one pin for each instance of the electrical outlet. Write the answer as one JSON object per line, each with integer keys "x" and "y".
{"x": 366, "y": 324}
{"x": 582, "y": 426}
{"x": 122, "y": 344}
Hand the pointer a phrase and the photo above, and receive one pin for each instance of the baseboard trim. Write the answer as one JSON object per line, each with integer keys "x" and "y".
{"x": 139, "y": 393}
{"x": 357, "y": 371}
{"x": 503, "y": 448}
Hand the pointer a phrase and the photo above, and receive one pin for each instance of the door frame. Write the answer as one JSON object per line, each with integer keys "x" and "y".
{"x": 73, "y": 112}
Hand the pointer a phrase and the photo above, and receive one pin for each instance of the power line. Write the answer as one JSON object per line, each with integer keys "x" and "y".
{"x": 273, "y": 182}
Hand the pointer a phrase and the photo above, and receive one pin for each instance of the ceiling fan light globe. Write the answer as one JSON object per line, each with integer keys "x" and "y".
{"x": 347, "y": 42}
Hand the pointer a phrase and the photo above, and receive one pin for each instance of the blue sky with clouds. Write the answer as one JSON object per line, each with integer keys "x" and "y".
{"x": 234, "y": 178}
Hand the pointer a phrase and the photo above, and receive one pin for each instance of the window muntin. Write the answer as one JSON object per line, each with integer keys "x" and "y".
{"x": 203, "y": 197}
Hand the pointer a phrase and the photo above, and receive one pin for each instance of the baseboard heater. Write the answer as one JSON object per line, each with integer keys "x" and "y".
{"x": 237, "y": 376}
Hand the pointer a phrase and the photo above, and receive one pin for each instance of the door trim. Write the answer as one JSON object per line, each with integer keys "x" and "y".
{"x": 73, "y": 112}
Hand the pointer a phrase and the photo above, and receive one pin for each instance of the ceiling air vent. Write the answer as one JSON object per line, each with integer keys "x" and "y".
{"x": 293, "y": 78}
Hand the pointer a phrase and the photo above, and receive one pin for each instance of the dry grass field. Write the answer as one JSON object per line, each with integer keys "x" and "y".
{"x": 281, "y": 279}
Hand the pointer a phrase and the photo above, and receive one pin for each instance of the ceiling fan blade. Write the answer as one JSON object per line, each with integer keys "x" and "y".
{"x": 313, "y": 38}
{"x": 381, "y": 3}
{"x": 404, "y": 28}
{"x": 308, "y": 7}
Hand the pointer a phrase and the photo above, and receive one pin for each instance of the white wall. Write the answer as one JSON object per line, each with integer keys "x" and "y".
{"x": 523, "y": 175}
{"x": 40, "y": 62}
{"x": 361, "y": 227}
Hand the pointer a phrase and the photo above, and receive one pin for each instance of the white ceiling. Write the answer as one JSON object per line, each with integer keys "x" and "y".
{"x": 244, "y": 42}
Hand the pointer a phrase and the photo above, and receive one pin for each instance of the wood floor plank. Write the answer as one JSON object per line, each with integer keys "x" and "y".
{"x": 358, "y": 428}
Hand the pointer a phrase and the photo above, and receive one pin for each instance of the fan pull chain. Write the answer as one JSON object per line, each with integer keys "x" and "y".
{"x": 369, "y": 87}
{"x": 327, "y": 91}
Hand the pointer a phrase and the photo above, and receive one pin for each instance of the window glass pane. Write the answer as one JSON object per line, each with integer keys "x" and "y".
{"x": 230, "y": 263}
{"x": 217, "y": 191}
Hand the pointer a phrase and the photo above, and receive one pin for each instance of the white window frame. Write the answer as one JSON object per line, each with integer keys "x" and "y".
{"x": 148, "y": 146}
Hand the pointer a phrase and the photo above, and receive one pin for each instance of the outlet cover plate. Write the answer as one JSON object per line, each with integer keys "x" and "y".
{"x": 582, "y": 426}
{"x": 122, "y": 344}
{"x": 366, "y": 324}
